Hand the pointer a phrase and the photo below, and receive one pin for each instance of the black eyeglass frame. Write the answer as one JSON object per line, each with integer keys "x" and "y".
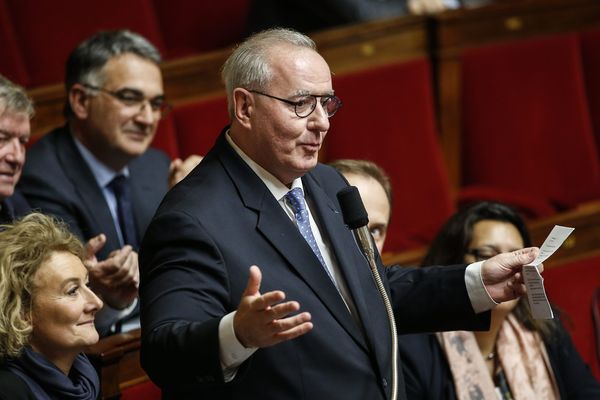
{"x": 325, "y": 99}
{"x": 163, "y": 108}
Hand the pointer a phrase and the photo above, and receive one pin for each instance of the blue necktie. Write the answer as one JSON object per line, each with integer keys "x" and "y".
{"x": 296, "y": 201}
{"x": 120, "y": 187}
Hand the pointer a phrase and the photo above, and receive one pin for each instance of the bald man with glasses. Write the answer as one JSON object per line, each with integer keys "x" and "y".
{"x": 98, "y": 173}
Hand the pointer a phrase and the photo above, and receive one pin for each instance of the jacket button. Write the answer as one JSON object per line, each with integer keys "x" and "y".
{"x": 384, "y": 382}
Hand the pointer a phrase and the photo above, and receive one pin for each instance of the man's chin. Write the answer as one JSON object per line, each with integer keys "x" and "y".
{"x": 6, "y": 191}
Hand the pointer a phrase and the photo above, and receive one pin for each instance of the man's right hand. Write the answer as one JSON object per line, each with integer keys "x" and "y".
{"x": 115, "y": 279}
{"x": 262, "y": 320}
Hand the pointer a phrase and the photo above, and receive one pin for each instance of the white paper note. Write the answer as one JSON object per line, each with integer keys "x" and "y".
{"x": 538, "y": 301}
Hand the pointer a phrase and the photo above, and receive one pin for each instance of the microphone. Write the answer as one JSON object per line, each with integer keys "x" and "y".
{"x": 357, "y": 219}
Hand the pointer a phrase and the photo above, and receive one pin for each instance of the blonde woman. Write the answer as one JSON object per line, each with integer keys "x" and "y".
{"x": 47, "y": 313}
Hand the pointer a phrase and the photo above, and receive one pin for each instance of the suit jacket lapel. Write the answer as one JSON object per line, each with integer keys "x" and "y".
{"x": 85, "y": 185}
{"x": 355, "y": 269}
{"x": 145, "y": 191}
{"x": 283, "y": 235}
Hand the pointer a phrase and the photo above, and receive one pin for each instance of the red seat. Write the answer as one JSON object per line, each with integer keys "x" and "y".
{"x": 590, "y": 52}
{"x": 143, "y": 391}
{"x": 11, "y": 61}
{"x": 571, "y": 287}
{"x": 47, "y": 31}
{"x": 527, "y": 129}
{"x": 191, "y": 27}
{"x": 165, "y": 138}
{"x": 198, "y": 124}
{"x": 388, "y": 118}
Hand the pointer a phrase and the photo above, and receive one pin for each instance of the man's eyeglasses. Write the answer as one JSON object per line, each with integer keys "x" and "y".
{"x": 483, "y": 253}
{"x": 306, "y": 104}
{"x": 134, "y": 99}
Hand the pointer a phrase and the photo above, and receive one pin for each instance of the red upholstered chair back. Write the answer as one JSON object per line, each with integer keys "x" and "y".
{"x": 388, "y": 118}
{"x": 570, "y": 287}
{"x": 48, "y": 30}
{"x": 527, "y": 128}
{"x": 198, "y": 124}
{"x": 191, "y": 27}
{"x": 590, "y": 52}
{"x": 166, "y": 137}
{"x": 143, "y": 391}
{"x": 11, "y": 61}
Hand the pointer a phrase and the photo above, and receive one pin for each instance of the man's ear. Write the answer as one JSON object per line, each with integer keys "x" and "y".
{"x": 79, "y": 101}
{"x": 243, "y": 106}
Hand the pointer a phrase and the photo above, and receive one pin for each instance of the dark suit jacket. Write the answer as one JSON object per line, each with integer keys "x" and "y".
{"x": 57, "y": 181}
{"x": 13, "y": 207}
{"x": 428, "y": 376}
{"x": 194, "y": 264}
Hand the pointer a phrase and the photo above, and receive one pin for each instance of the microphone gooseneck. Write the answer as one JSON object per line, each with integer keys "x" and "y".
{"x": 357, "y": 219}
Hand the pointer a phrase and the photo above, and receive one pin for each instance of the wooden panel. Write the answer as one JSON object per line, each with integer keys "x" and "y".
{"x": 117, "y": 360}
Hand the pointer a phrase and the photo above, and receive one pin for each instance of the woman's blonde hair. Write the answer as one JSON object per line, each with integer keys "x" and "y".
{"x": 24, "y": 246}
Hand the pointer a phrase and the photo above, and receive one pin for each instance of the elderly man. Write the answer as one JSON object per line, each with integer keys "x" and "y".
{"x": 16, "y": 109}
{"x": 252, "y": 287}
{"x": 97, "y": 172}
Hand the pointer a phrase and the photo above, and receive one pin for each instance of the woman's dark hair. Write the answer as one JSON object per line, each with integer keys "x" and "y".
{"x": 452, "y": 242}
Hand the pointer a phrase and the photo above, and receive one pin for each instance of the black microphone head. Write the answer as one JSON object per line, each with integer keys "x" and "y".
{"x": 353, "y": 209}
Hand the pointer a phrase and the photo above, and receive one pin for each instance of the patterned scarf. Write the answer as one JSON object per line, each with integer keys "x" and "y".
{"x": 521, "y": 354}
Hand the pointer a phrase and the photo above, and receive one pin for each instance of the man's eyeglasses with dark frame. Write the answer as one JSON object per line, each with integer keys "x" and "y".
{"x": 134, "y": 98}
{"x": 304, "y": 107}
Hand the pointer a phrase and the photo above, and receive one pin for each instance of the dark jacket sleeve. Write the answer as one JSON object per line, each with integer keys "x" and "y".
{"x": 433, "y": 299}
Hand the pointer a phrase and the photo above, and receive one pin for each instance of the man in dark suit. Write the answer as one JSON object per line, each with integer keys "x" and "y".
{"x": 97, "y": 172}
{"x": 16, "y": 109}
{"x": 250, "y": 292}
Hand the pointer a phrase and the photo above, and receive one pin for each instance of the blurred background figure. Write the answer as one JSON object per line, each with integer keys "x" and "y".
{"x": 16, "y": 109}
{"x": 375, "y": 190}
{"x": 47, "y": 313}
{"x": 519, "y": 357}
{"x": 309, "y": 16}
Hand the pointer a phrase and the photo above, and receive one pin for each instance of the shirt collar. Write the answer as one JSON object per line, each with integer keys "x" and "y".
{"x": 101, "y": 171}
{"x": 278, "y": 189}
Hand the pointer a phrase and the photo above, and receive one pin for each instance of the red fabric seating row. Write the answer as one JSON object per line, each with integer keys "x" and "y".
{"x": 388, "y": 117}
{"x": 192, "y": 128}
{"x": 528, "y": 136}
{"x": 36, "y": 36}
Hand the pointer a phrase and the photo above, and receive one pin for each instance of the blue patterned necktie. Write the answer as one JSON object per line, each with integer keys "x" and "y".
{"x": 120, "y": 187}
{"x": 296, "y": 201}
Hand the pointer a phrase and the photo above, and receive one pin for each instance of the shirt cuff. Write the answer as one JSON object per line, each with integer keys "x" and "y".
{"x": 107, "y": 316}
{"x": 231, "y": 351}
{"x": 478, "y": 294}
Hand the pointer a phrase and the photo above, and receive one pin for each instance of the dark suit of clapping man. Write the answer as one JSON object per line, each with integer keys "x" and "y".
{"x": 115, "y": 100}
{"x": 236, "y": 304}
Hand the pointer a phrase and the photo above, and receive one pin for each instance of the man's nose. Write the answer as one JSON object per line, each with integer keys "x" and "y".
{"x": 319, "y": 118}
{"x": 15, "y": 150}
{"x": 146, "y": 114}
